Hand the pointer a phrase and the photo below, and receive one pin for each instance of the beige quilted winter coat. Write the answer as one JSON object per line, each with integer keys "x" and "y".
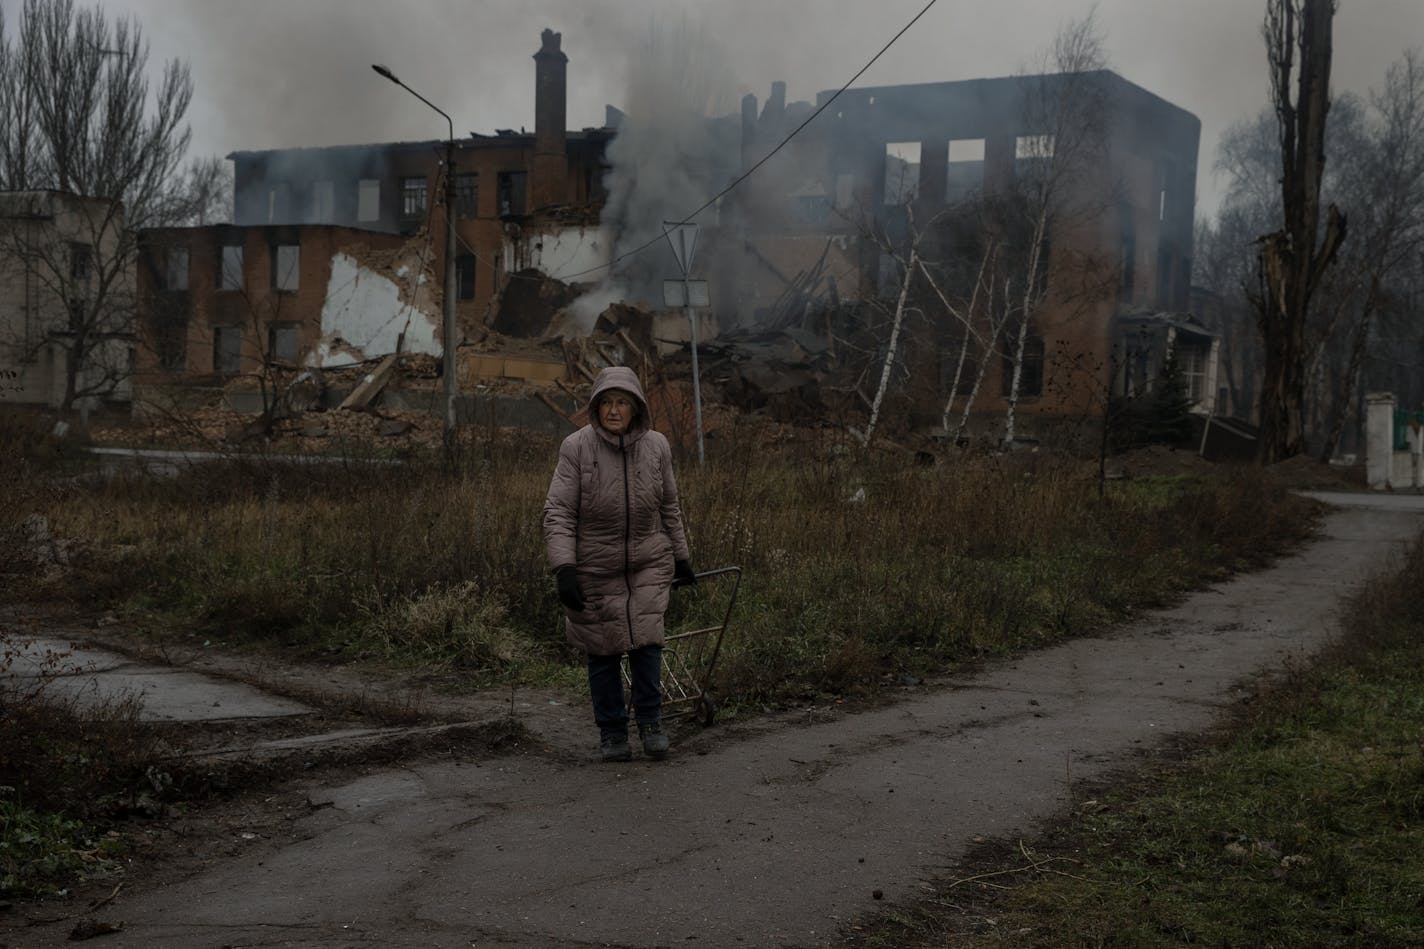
{"x": 612, "y": 512}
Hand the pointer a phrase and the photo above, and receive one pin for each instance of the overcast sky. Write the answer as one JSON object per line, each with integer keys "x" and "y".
{"x": 283, "y": 73}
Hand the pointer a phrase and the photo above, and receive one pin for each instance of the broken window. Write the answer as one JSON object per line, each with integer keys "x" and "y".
{"x": 1033, "y": 157}
{"x": 323, "y": 202}
{"x": 465, "y": 277}
{"x": 81, "y": 260}
{"x": 949, "y": 364}
{"x": 812, "y": 204}
{"x": 286, "y": 264}
{"x": 1031, "y": 377}
{"x": 171, "y": 341}
{"x": 902, "y": 172}
{"x": 598, "y": 182}
{"x": 889, "y": 275}
{"x": 227, "y": 349}
{"x": 279, "y": 202}
{"x": 510, "y": 188}
{"x": 964, "y": 173}
{"x": 1191, "y": 366}
{"x": 282, "y": 342}
{"x": 1033, "y": 147}
{"x": 175, "y": 269}
{"x": 368, "y": 200}
{"x": 467, "y": 195}
{"x": 413, "y": 192}
{"x": 1127, "y": 262}
{"x": 230, "y": 274}
{"x": 1164, "y": 277}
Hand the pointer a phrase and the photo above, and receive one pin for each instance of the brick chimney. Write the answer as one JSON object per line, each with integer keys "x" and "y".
{"x": 549, "y": 176}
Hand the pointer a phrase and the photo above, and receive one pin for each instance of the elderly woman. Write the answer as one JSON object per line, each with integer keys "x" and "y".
{"x": 615, "y": 539}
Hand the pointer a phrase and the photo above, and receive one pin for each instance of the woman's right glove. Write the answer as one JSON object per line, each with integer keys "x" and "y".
{"x": 570, "y": 593}
{"x": 682, "y": 573}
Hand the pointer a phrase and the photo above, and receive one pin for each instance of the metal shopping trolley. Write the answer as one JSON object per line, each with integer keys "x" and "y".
{"x": 690, "y": 656}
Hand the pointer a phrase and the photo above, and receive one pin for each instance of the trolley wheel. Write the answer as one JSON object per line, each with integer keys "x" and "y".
{"x": 706, "y": 710}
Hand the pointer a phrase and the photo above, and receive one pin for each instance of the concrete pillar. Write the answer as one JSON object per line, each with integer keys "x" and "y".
{"x": 1379, "y": 440}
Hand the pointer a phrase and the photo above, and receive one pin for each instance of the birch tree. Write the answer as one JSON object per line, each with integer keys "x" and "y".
{"x": 1065, "y": 116}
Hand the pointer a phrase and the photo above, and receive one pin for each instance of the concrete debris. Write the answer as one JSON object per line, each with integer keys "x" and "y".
{"x": 371, "y": 385}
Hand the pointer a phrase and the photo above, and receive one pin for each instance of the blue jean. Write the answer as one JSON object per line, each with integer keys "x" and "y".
{"x": 605, "y": 686}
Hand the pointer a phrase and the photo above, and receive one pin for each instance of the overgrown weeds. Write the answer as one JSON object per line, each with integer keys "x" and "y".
{"x": 855, "y": 567}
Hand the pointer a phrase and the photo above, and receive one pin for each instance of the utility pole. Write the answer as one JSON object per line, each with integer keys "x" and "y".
{"x": 683, "y": 238}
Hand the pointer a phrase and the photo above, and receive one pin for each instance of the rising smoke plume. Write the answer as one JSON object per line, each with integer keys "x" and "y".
{"x": 671, "y": 154}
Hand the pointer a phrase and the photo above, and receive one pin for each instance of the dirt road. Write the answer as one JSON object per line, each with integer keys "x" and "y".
{"x": 755, "y": 835}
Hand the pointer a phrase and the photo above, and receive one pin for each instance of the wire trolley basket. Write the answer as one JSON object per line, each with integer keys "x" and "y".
{"x": 690, "y": 656}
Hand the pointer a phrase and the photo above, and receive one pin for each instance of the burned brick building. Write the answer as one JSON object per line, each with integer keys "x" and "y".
{"x": 936, "y": 165}
{"x": 311, "y": 225}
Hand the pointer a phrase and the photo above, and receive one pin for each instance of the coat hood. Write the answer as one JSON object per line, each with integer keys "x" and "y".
{"x": 625, "y": 379}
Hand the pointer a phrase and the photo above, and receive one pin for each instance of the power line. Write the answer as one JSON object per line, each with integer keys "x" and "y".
{"x": 765, "y": 158}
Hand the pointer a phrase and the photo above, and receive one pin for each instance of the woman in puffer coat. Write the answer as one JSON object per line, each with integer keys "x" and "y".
{"x": 616, "y": 542}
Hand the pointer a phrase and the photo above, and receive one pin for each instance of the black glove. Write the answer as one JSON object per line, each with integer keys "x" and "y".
{"x": 682, "y": 575}
{"x": 570, "y": 593}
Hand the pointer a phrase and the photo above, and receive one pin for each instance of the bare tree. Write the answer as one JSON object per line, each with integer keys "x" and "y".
{"x": 1066, "y": 111}
{"x": 77, "y": 115}
{"x": 1294, "y": 258}
{"x": 1385, "y": 195}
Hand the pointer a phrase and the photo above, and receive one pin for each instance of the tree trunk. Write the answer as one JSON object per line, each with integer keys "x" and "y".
{"x": 894, "y": 345}
{"x": 1293, "y": 259}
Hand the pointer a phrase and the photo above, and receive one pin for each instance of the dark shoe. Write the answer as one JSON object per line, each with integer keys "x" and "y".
{"x": 614, "y": 747}
{"x": 655, "y": 743}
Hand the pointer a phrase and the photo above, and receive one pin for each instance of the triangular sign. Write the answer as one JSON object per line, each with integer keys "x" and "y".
{"x": 683, "y": 238}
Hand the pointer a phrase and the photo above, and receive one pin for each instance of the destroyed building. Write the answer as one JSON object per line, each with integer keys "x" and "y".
{"x": 803, "y": 259}
{"x": 831, "y": 218}
{"x": 339, "y": 253}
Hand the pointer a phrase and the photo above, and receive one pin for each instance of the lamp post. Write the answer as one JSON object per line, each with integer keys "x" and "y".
{"x": 448, "y": 367}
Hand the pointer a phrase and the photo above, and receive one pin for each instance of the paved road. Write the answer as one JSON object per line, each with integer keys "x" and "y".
{"x": 776, "y": 838}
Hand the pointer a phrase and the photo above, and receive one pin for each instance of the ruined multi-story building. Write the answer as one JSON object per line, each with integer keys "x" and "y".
{"x": 311, "y": 224}
{"x": 1078, "y": 303}
{"x": 963, "y": 170}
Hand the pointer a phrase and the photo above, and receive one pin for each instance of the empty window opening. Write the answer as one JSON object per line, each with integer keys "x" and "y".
{"x": 230, "y": 277}
{"x": 175, "y": 271}
{"x": 368, "y": 200}
{"x": 81, "y": 261}
{"x": 413, "y": 192}
{"x": 465, "y": 277}
{"x": 1031, "y": 376}
{"x": 964, "y": 173}
{"x": 1127, "y": 262}
{"x": 283, "y": 340}
{"x": 467, "y": 195}
{"x": 227, "y": 349}
{"x": 323, "y": 202}
{"x": 1164, "y": 277}
{"x": 171, "y": 340}
{"x": 279, "y": 202}
{"x": 1033, "y": 147}
{"x": 286, "y": 266}
{"x": 902, "y": 172}
{"x": 510, "y": 187}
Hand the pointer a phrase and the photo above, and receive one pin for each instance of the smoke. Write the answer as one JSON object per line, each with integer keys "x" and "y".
{"x": 671, "y": 154}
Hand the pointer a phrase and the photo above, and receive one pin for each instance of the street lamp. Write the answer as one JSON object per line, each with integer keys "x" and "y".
{"x": 448, "y": 367}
